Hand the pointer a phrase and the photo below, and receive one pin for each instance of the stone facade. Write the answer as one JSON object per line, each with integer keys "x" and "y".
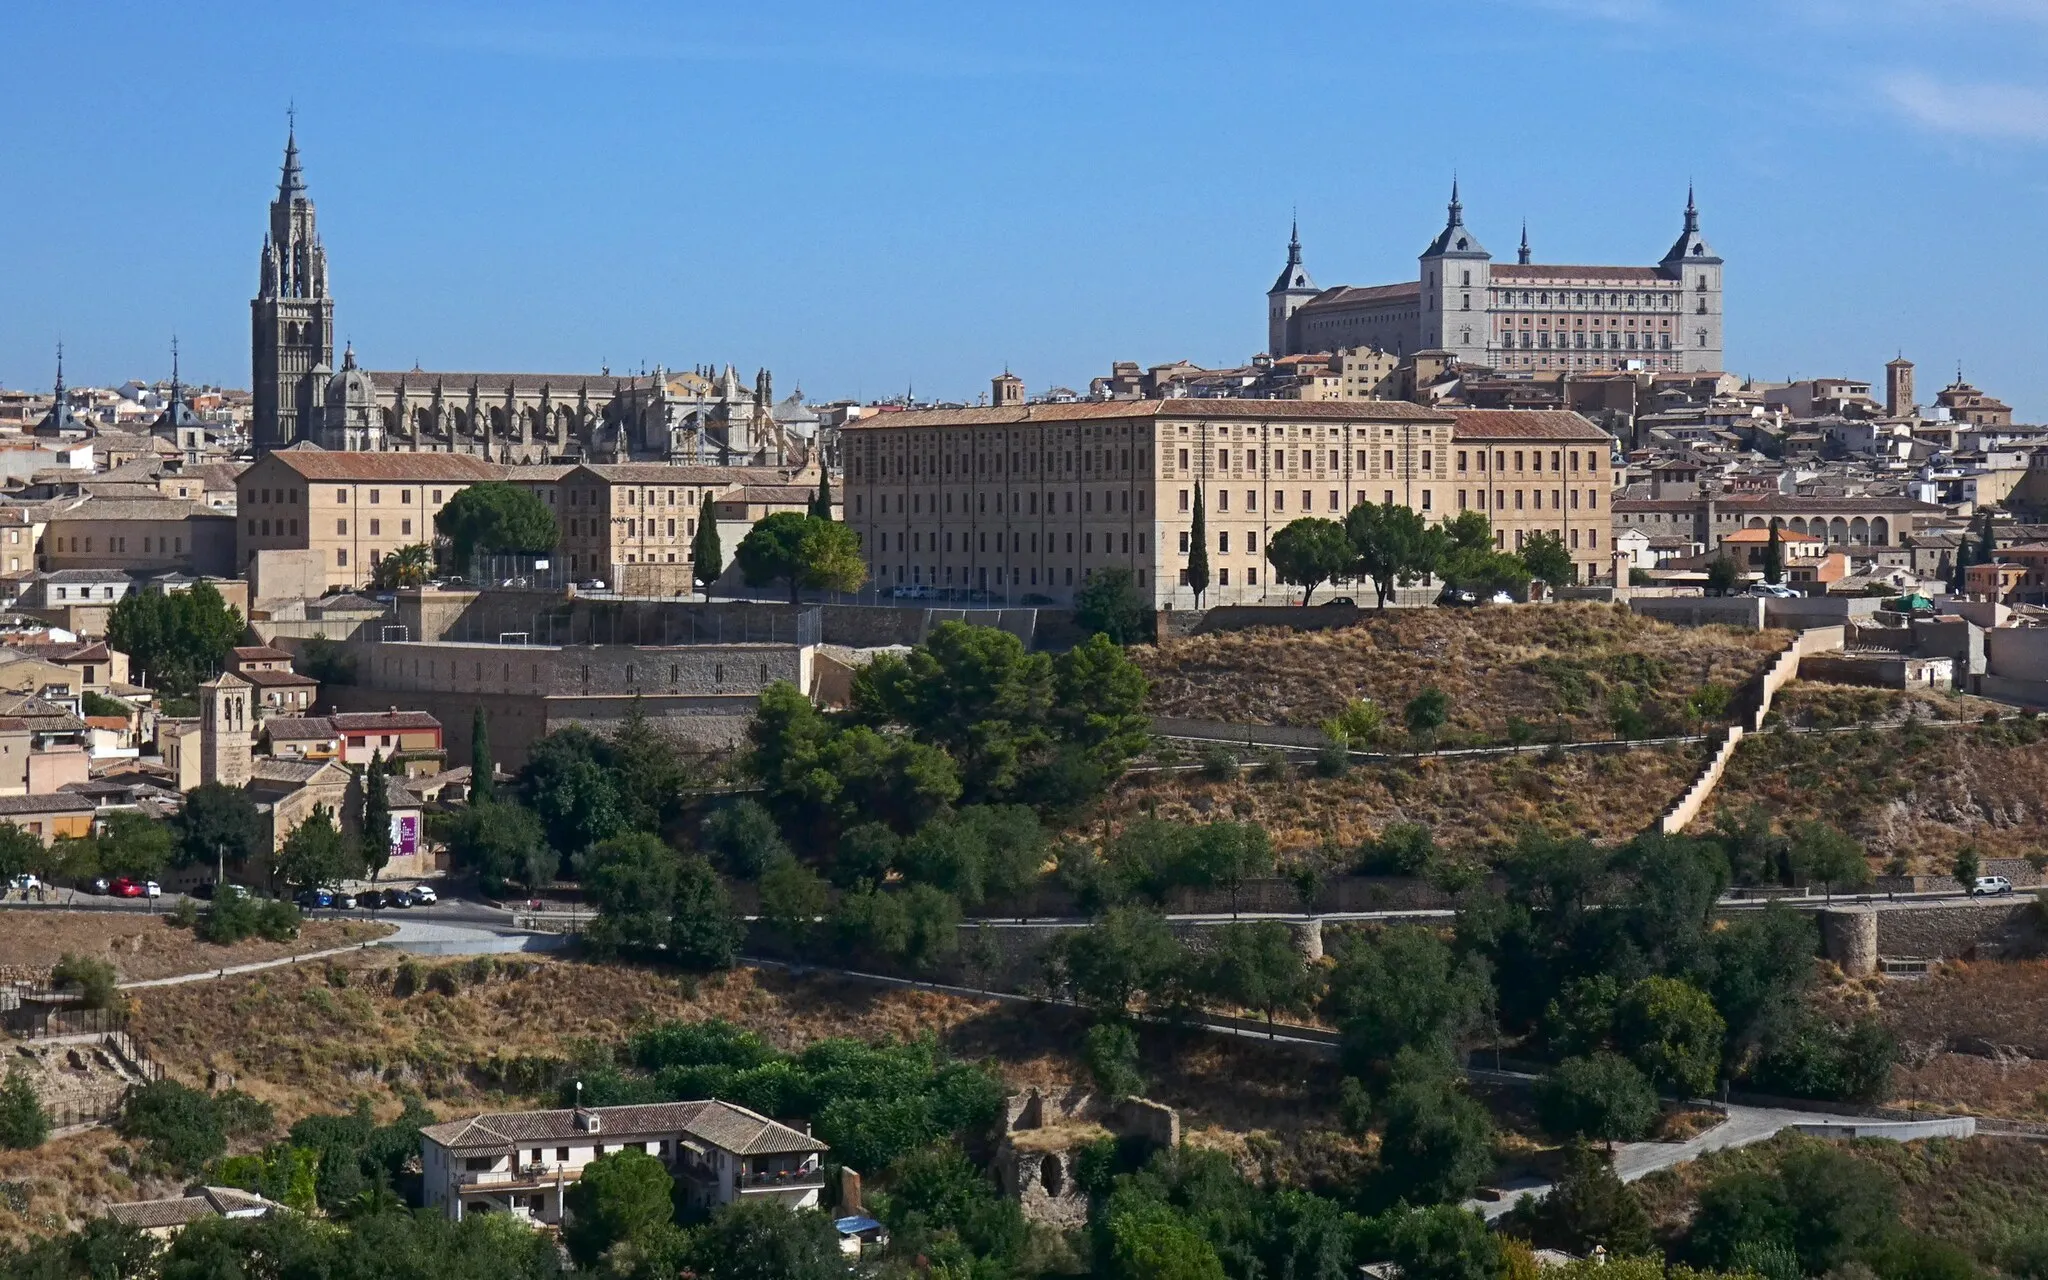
{"x": 1515, "y": 316}
{"x": 1027, "y": 503}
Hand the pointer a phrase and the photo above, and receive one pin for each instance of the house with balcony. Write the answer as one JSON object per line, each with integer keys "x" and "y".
{"x": 523, "y": 1162}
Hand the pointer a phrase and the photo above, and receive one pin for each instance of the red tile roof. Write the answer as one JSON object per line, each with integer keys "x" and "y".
{"x": 382, "y": 721}
{"x": 454, "y": 468}
{"x": 1524, "y": 424}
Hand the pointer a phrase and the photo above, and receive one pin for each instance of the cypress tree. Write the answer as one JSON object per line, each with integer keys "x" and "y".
{"x": 482, "y": 779}
{"x": 1774, "y": 556}
{"x": 376, "y": 824}
{"x": 1960, "y": 582}
{"x": 707, "y": 558}
{"x": 1987, "y": 544}
{"x": 821, "y": 506}
{"x": 1198, "y": 550}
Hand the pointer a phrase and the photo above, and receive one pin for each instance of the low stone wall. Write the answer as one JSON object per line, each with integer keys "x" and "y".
{"x": 1985, "y": 928}
{"x": 1266, "y": 894}
{"x": 1818, "y": 611}
{"x": 1881, "y": 671}
{"x": 1746, "y": 612}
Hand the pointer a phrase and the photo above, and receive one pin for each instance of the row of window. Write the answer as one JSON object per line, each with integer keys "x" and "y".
{"x": 1024, "y": 504}
{"x": 117, "y": 545}
{"x": 1613, "y": 342}
{"x": 633, "y": 526}
{"x": 290, "y": 497}
{"x": 1019, "y": 543}
{"x": 1540, "y": 298}
{"x": 918, "y": 574}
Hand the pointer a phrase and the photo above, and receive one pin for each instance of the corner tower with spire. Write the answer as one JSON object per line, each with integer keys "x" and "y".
{"x": 1456, "y": 283}
{"x": 291, "y": 331}
{"x": 1290, "y": 291}
{"x": 1697, "y": 269}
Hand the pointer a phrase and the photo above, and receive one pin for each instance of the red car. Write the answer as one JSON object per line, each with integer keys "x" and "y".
{"x": 123, "y": 887}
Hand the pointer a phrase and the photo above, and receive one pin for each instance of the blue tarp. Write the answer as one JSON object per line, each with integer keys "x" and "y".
{"x": 854, "y": 1226}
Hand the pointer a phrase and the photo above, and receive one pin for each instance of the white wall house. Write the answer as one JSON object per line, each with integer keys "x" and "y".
{"x": 522, "y": 1162}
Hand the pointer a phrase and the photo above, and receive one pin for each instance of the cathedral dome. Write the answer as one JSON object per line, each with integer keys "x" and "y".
{"x": 350, "y": 392}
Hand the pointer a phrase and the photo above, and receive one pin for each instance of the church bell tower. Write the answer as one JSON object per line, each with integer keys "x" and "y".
{"x": 291, "y": 331}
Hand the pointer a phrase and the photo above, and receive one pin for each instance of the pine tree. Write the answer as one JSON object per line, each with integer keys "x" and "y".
{"x": 482, "y": 777}
{"x": 376, "y": 824}
{"x": 706, "y": 556}
{"x": 1198, "y": 550}
{"x": 821, "y": 506}
{"x": 1774, "y": 556}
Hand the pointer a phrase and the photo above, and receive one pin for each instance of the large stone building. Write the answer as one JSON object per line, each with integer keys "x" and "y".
{"x": 1523, "y": 315}
{"x": 705, "y": 417}
{"x": 348, "y": 510}
{"x": 1029, "y": 501}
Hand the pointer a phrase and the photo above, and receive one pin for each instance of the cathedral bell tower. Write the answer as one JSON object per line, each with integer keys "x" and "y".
{"x": 291, "y": 329}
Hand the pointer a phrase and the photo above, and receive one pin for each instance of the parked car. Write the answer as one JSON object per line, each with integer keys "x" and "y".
{"x": 1500, "y": 597}
{"x": 591, "y": 584}
{"x": 1340, "y": 602}
{"x": 1457, "y": 596}
{"x": 26, "y": 882}
{"x": 151, "y": 889}
{"x": 1772, "y": 591}
{"x": 424, "y": 895}
{"x": 1991, "y": 885}
{"x": 99, "y": 886}
{"x": 314, "y": 899}
{"x": 395, "y": 898}
{"x": 123, "y": 887}
{"x": 343, "y": 901}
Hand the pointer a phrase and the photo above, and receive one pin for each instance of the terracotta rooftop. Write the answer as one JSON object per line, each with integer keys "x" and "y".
{"x": 1099, "y": 410}
{"x": 454, "y": 468}
{"x": 722, "y": 1124}
{"x": 1524, "y": 424}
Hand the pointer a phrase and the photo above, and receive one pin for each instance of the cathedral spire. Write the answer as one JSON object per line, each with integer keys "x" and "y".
{"x": 1522, "y": 255}
{"x": 1457, "y": 211}
{"x": 58, "y": 394}
{"x": 291, "y": 183}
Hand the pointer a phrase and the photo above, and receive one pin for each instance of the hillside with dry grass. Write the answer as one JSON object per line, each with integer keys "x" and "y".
{"x": 1540, "y": 664}
{"x": 1469, "y": 803}
{"x": 1974, "y": 1038}
{"x": 144, "y": 946}
{"x": 468, "y": 1035}
{"x": 1918, "y": 794}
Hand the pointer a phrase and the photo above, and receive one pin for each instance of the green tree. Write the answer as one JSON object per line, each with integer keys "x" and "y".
{"x": 821, "y": 505}
{"x": 793, "y": 897}
{"x": 1774, "y": 555}
{"x": 1825, "y": 853}
{"x": 483, "y": 770}
{"x": 631, "y": 879}
{"x": 1158, "y": 1244}
{"x": 1198, "y": 549}
{"x": 24, "y": 1124}
{"x": 185, "y": 1127}
{"x": 704, "y": 932}
{"x": 570, "y": 785}
{"x": 1109, "y": 604}
{"x": 707, "y": 558}
{"x": 1438, "y": 1143}
{"x": 1591, "y": 1207}
{"x": 743, "y": 837}
{"x": 1445, "y": 1243}
{"x": 617, "y": 1197}
{"x": 315, "y": 853}
{"x": 1308, "y": 552}
{"x": 761, "y": 1239}
{"x": 802, "y": 551}
{"x": 1405, "y": 988}
{"x": 495, "y": 517}
{"x": 1966, "y": 867}
{"x": 1601, "y": 1097}
{"x": 1358, "y": 725}
{"x": 408, "y": 566}
{"x": 134, "y": 845}
{"x": 1427, "y": 712}
{"x": 503, "y": 843}
{"x": 375, "y": 819}
{"x": 1987, "y": 540}
{"x": 94, "y": 980}
{"x": 1392, "y": 544}
{"x": 1110, "y": 1053}
{"x": 648, "y": 771}
{"x": 177, "y": 639}
{"x": 1722, "y": 575}
{"x": 1670, "y": 1029}
{"x": 1107, "y": 967}
{"x": 1256, "y": 966}
{"x": 1544, "y": 555}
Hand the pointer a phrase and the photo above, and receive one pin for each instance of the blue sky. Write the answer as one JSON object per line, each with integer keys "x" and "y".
{"x": 867, "y": 196}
